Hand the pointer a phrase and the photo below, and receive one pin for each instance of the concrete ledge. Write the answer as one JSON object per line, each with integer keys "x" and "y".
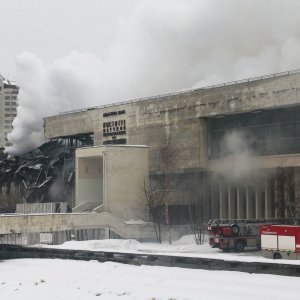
{"x": 13, "y": 251}
{"x": 85, "y": 207}
{"x": 257, "y": 162}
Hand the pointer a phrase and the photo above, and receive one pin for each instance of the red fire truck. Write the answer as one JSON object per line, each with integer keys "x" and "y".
{"x": 280, "y": 241}
{"x": 236, "y": 234}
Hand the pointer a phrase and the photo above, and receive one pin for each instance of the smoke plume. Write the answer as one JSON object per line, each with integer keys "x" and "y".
{"x": 238, "y": 159}
{"x": 163, "y": 46}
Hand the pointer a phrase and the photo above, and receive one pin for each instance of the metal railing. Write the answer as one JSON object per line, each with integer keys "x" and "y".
{"x": 157, "y": 97}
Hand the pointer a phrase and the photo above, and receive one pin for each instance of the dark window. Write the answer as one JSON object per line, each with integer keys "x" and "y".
{"x": 265, "y": 132}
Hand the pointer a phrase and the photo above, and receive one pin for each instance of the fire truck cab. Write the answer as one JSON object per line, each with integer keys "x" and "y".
{"x": 280, "y": 241}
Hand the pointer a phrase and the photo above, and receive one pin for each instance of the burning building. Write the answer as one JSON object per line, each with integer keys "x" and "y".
{"x": 231, "y": 149}
{"x": 226, "y": 151}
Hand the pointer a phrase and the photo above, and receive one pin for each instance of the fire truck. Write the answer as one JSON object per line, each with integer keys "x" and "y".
{"x": 280, "y": 241}
{"x": 236, "y": 234}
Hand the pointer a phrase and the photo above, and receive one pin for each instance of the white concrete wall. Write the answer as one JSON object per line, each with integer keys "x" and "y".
{"x": 126, "y": 170}
{"x": 125, "y": 173}
{"x": 89, "y": 180}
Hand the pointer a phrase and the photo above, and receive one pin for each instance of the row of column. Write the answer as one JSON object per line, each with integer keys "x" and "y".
{"x": 244, "y": 202}
{"x": 240, "y": 201}
{"x": 265, "y": 199}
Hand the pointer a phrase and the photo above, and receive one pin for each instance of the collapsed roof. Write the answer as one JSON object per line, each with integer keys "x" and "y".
{"x": 39, "y": 173}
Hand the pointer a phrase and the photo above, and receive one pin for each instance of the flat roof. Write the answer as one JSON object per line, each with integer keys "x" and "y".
{"x": 158, "y": 97}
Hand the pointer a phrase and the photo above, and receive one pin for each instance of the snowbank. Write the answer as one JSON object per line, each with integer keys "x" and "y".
{"x": 186, "y": 246}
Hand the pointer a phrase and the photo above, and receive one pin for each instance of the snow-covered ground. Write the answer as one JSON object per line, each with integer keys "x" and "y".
{"x": 66, "y": 279}
{"x": 186, "y": 246}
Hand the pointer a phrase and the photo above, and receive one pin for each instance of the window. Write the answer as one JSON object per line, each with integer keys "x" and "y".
{"x": 267, "y": 132}
{"x": 7, "y": 98}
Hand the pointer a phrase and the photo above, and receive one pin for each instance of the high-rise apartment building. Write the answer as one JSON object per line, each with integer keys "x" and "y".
{"x": 8, "y": 108}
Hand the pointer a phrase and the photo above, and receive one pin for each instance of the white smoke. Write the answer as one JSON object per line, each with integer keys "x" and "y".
{"x": 238, "y": 160}
{"x": 164, "y": 46}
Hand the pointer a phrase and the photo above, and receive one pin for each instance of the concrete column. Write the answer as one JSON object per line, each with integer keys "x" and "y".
{"x": 231, "y": 202}
{"x": 106, "y": 233}
{"x": 287, "y": 213}
{"x": 240, "y": 197}
{"x": 214, "y": 201}
{"x": 276, "y": 197}
{"x": 203, "y": 143}
{"x": 222, "y": 200}
{"x": 268, "y": 207}
{"x": 297, "y": 191}
{"x": 258, "y": 203}
{"x": 249, "y": 203}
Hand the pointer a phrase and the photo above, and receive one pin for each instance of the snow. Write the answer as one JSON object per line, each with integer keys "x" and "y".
{"x": 185, "y": 246}
{"x": 66, "y": 279}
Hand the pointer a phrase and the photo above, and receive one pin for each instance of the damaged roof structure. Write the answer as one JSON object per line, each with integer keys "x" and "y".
{"x": 45, "y": 174}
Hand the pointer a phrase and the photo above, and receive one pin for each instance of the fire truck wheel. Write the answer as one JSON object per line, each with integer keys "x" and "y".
{"x": 235, "y": 228}
{"x": 276, "y": 255}
{"x": 240, "y": 246}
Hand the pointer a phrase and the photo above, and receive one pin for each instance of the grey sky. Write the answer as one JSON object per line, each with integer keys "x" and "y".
{"x": 52, "y": 28}
{"x": 70, "y": 54}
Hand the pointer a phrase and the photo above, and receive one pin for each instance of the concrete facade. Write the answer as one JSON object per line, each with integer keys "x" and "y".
{"x": 14, "y": 226}
{"x": 179, "y": 124}
{"x": 112, "y": 179}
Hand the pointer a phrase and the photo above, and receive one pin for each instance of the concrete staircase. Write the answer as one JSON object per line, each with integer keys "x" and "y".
{"x": 47, "y": 223}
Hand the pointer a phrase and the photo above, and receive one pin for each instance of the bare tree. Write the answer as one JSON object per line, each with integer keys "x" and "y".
{"x": 155, "y": 204}
{"x": 286, "y": 193}
{"x": 167, "y": 152}
{"x": 196, "y": 220}
{"x": 157, "y": 195}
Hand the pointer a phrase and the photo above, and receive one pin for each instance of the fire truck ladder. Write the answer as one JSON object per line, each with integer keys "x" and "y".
{"x": 230, "y": 222}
